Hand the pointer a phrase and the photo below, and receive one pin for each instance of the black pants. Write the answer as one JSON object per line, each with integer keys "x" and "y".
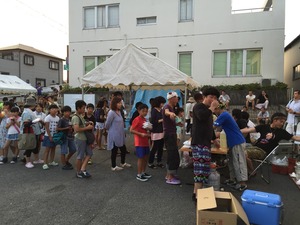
{"x": 158, "y": 146}
{"x": 114, "y": 152}
{"x": 173, "y": 159}
{"x": 188, "y": 125}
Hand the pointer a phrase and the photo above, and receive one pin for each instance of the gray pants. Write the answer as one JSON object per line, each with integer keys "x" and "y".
{"x": 237, "y": 163}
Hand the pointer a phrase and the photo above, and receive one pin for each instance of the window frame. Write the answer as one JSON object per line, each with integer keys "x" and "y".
{"x": 105, "y": 16}
{"x": 296, "y": 74}
{"x": 28, "y": 60}
{"x": 229, "y": 63}
{"x": 146, "y": 21}
{"x": 180, "y": 12}
{"x": 191, "y": 62}
{"x": 51, "y": 63}
{"x": 96, "y": 61}
{"x": 40, "y": 80}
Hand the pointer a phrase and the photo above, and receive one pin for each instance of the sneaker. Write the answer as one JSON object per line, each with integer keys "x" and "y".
{"x": 240, "y": 187}
{"x": 230, "y": 182}
{"x": 90, "y": 162}
{"x": 126, "y": 165}
{"x": 1, "y": 160}
{"x": 83, "y": 174}
{"x": 146, "y": 175}
{"x": 67, "y": 167}
{"x": 14, "y": 160}
{"x": 53, "y": 164}
{"x": 152, "y": 166}
{"x": 173, "y": 181}
{"x": 117, "y": 168}
{"x": 4, "y": 160}
{"x": 45, "y": 167}
{"x": 39, "y": 161}
{"x": 29, "y": 165}
{"x": 141, "y": 178}
{"x": 160, "y": 165}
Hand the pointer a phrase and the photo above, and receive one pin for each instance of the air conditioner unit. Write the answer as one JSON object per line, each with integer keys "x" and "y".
{"x": 268, "y": 82}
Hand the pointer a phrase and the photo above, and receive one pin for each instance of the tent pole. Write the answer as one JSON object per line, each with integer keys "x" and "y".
{"x": 185, "y": 100}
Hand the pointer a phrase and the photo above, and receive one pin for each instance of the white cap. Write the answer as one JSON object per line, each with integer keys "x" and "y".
{"x": 171, "y": 95}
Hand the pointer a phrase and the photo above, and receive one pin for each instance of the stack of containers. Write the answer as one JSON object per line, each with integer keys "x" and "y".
{"x": 262, "y": 208}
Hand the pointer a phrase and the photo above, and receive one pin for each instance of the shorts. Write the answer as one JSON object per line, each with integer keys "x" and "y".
{"x": 48, "y": 143}
{"x": 69, "y": 144}
{"x": 99, "y": 126}
{"x": 82, "y": 149}
{"x": 141, "y": 152}
{"x": 12, "y": 137}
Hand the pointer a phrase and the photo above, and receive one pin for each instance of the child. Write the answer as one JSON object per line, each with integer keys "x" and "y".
{"x": 39, "y": 114}
{"x": 179, "y": 124}
{"x": 65, "y": 125}
{"x": 84, "y": 151}
{"x": 13, "y": 130}
{"x": 51, "y": 122}
{"x": 141, "y": 142}
{"x": 99, "y": 116}
{"x": 89, "y": 117}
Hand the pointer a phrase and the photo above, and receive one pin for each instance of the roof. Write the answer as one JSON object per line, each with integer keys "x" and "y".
{"x": 28, "y": 49}
{"x": 10, "y": 84}
{"x": 134, "y": 68}
{"x": 292, "y": 43}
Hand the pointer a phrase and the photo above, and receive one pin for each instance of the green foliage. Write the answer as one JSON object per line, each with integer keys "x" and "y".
{"x": 251, "y": 86}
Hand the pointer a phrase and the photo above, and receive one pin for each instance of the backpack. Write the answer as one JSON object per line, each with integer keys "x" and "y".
{"x": 59, "y": 138}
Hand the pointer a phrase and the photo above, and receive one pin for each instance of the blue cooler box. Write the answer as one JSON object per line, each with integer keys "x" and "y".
{"x": 262, "y": 208}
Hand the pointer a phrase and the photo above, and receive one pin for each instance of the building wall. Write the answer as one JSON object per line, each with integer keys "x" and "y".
{"x": 214, "y": 28}
{"x": 292, "y": 59}
{"x": 39, "y": 70}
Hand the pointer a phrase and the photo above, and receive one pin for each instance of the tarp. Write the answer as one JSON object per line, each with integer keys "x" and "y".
{"x": 132, "y": 68}
{"x": 10, "y": 84}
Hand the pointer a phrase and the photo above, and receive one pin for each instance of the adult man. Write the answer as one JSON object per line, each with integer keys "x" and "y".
{"x": 188, "y": 108}
{"x": 225, "y": 99}
{"x": 250, "y": 100}
{"x": 293, "y": 110}
{"x": 270, "y": 134}
{"x": 170, "y": 138}
{"x": 202, "y": 135}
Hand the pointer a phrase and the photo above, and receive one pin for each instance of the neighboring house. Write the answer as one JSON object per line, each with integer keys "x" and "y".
{"x": 209, "y": 40}
{"x": 292, "y": 64}
{"x": 31, "y": 65}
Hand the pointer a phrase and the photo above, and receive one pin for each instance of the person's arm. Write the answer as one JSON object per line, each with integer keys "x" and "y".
{"x": 59, "y": 126}
{"x": 296, "y": 138}
{"x": 248, "y": 130}
{"x": 109, "y": 120}
{"x": 170, "y": 114}
{"x": 77, "y": 128}
{"x": 134, "y": 131}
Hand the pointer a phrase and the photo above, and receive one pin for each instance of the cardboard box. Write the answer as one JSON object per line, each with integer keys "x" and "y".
{"x": 219, "y": 208}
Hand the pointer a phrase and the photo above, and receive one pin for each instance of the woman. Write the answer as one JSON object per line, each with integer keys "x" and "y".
{"x": 116, "y": 135}
{"x": 157, "y": 133}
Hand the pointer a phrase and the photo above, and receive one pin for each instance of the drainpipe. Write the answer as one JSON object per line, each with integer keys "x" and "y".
{"x": 20, "y": 64}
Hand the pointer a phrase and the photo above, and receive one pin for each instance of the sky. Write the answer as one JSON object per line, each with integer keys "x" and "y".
{"x": 43, "y": 24}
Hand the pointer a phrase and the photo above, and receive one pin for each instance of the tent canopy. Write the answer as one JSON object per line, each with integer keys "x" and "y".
{"x": 10, "y": 84}
{"x": 133, "y": 68}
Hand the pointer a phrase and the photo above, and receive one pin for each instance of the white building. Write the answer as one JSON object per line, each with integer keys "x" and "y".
{"x": 31, "y": 65}
{"x": 292, "y": 64}
{"x": 206, "y": 39}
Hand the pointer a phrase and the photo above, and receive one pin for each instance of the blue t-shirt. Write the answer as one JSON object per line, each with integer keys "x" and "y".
{"x": 234, "y": 135}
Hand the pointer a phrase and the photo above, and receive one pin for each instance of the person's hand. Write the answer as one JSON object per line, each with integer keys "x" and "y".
{"x": 172, "y": 116}
{"x": 216, "y": 143}
{"x": 90, "y": 127}
{"x": 269, "y": 136}
{"x": 50, "y": 138}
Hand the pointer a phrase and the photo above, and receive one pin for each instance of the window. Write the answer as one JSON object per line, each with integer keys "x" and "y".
{"x": 28, "y": 60}
{"x": 7, "y": 55}
{"x": 237, "y": 62}
{"x": 146, "y": 20}
{"x": 296, "y": 72}
{"x": 91, "y": 62}
{"x": 53, "y": 65}
{"x": 101, "y": 16}
{"x": 185, "y": 63}
{"x": 186, "y": 10}
{"x": 41, "y": 81}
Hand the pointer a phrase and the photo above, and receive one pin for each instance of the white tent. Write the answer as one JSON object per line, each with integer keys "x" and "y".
{"x": 10, "y": 84}
{"x": 132, "y": 68}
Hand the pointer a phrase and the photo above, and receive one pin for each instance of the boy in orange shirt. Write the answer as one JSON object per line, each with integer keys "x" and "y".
{"x": 141, "y": 141}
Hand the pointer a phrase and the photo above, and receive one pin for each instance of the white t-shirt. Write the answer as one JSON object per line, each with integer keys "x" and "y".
{"x": 295, "y": 106}
{"x": 12, "y": 129}
{"x": 250, "y": 98}
{"x": 53, "y": 121}
{"x": 188, "y": 108}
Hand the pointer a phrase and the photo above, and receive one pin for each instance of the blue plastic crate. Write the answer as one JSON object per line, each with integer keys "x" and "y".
{"x": 262, "y": 208}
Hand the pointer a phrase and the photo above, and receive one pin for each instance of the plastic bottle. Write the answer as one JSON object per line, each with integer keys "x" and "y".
{"x": 223, "y": 140}
{"x": 214, "y": 177}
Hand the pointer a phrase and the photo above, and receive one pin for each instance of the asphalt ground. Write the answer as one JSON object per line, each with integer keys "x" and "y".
{"x": 56, "y": 196}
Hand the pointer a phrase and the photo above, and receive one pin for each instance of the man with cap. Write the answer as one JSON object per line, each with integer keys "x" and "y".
{"x": 188, "y": 108}
{"x": 170, "y": 138}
